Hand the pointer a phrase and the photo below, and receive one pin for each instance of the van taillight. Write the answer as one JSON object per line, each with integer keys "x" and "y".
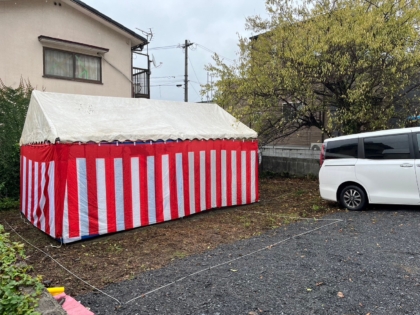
{"x": 322, "y": 155}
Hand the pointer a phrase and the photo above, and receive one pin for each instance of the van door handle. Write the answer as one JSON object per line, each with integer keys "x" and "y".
{"x": 406, "y": 165}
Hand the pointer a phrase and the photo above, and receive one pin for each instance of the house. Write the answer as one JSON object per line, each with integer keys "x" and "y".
{"x": 67, "y": 46}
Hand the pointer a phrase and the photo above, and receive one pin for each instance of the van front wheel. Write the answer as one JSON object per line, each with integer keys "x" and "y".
{"x": 353, "y": 198}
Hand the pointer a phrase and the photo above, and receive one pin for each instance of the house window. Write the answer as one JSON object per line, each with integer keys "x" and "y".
{"x": 72, "y": 66}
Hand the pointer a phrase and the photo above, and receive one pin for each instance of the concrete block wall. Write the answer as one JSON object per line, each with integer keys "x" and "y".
{"x": 294, "y": 161}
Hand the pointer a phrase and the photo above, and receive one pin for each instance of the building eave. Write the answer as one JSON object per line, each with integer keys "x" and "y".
{"x": 137, "y": 40}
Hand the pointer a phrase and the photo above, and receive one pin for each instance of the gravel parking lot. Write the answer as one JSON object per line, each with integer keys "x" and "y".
{"x": 349, "y": 263}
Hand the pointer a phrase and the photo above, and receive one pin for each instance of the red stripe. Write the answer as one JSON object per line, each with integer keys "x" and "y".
{"x": 92, "y": 191}
{"x": 25, "y": 210}
{"x": 228, "y": 175}
{"x": 73, "y": 200}
{"x": 128, "y": 196}
{"x": 209, "y": 147}
{"x": 257, "y": 196}
{"x": 248, "y": 176}
{"x": 219, "y": 175}
{"x": 197, "y": 185}
{"x": 38, "y": 205}
{"x": 21, "y": 182}
{"x": 32, "y": 208}
{"x": 159, "y": 186}
{"x": 144, "y": 206}
{"x": 47, "y": 199}
{"x": 239, "y": 176}
{"x": 110, "y": 195}
{"x": 173, "y": 185}
{"x": 186, "y": 177}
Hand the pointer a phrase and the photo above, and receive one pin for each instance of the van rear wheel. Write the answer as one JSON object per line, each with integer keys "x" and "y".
{"x": 353, "y": 198}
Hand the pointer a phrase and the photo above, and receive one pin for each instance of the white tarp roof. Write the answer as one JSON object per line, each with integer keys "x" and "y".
{"x": 84, "y": 118}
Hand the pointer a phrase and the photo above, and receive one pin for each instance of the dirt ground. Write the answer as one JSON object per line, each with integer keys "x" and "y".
{"x": 121, "y": 256}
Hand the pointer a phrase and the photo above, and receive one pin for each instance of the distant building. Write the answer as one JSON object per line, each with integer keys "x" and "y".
{"x": 69, "y": 47}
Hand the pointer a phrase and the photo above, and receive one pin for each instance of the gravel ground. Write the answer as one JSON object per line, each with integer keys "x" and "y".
{"x": 363, "y": 263}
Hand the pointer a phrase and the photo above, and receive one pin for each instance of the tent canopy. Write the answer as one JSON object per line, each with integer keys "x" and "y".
{"x": 84, "y": 118}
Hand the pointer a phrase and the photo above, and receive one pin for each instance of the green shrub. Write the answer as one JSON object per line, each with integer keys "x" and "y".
{"x": 14, "y": 277}
{"x": 9, "y": 204}
{"x": 14, "y": 104}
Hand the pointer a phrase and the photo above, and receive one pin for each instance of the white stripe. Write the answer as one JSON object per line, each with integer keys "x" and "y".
{"x": 101, "y": 187}
{"x": 180, "y": 185}
{"x": 24, "y": 186}
{"x": 213, "y": 178}
{"x": 82, "y": 191}
{"x": 42, "y": 201}
{"x": 151, "y": 194}
{"x": 135, "y": 190}
{"x": 243, "y": 179}
{"x": 29, "y": 212}
{"x": 66, "y": 234}
{"x": 253, "y": 190}
{"x": 191, "y": 179}
{"x": 36, "y": 219}
{"x": 119, "y": 194}
{"x": 202, "y": 180}
{"x": 51, "y": 197}
{"x": 234, "y": 170}
{"x": 165, "y": 188}
{"x": 224, "y": 181}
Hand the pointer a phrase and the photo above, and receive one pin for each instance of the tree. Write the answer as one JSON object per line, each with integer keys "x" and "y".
{"x": 356, "y": 61}
{"x": 14, "y": 104}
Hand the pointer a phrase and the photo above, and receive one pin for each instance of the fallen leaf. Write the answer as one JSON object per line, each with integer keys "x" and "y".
{"x": 340, "y": 295}
{"x": 252, "y": 313}
{"x": 234, "y": 270}
{"x": 308, "y": 289}
{"x": 360, "y": 304}
{"x": 319, "y": 283}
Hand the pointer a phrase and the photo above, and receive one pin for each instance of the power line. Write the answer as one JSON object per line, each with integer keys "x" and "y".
{"x": 211, "y": 51}
{"x": 168, "y": 76}
{"x": 164, "y": 85}
{"x": 196, "y": 91}
{"x": 166, "y": 47}
{"x": 194, "y": 70}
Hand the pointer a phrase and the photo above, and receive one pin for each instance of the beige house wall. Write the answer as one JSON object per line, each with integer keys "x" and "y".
{"x": 21, "y": 53}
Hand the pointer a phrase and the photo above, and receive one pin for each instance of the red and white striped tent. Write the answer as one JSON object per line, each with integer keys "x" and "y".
{"x": 94, "y": 165}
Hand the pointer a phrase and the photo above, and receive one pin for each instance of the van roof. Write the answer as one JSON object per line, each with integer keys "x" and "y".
{"x": 375, "y": 133}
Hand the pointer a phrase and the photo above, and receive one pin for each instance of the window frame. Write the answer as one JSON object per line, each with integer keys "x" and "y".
{"x": 74, "y": 67}
{"x": 416, "y": 145}
{"x": 410, "y": 145}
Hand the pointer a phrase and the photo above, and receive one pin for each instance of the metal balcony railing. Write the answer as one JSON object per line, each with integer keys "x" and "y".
{"x": 141, "y": 83}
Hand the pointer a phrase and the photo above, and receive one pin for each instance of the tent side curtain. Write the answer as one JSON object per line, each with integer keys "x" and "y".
{"x": 73, "y": 191}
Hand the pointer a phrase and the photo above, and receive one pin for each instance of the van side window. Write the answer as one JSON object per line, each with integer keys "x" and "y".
{"x": 342, "y": 149}
{"x": 387, "y": 147}
{"x": 418, "y": 141}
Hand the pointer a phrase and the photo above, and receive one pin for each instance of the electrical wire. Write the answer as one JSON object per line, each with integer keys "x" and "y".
{"x": 192, "y": 66}
{"x": 213, "y": 52}
{"x": 165, "y": 47}
{"x": 168, "y": 76}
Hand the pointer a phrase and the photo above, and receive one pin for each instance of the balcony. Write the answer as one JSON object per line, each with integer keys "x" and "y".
{"x": 141, "y": 83}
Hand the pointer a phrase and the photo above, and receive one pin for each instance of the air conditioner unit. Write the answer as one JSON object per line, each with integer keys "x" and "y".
{"x": 316, "y": 146}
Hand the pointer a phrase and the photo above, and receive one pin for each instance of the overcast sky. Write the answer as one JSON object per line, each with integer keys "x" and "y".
{"x": 214, "y": 24}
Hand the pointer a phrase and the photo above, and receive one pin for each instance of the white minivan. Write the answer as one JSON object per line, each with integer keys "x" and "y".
{"x": 380, "y": 167}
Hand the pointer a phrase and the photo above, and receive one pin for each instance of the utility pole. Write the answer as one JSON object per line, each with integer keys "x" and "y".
{"x": 187, "y": 44}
